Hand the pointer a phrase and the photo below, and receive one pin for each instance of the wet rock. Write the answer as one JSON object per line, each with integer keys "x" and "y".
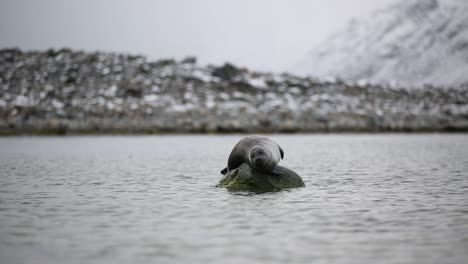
{"x": 245, "y": 178}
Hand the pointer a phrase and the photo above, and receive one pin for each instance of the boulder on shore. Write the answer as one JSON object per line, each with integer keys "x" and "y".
{"x": 245, "y": 178}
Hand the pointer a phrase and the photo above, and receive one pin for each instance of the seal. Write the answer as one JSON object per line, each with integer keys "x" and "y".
{"x": 261, "y": 153}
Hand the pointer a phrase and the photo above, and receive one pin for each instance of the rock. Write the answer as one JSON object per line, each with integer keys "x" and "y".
{"x": 119, "y": 93}
{"x": 227, "y": 72}
{"x": 245, "y": 178}
{"x": 189, "y": 60}
{"x": 163, "y": 62}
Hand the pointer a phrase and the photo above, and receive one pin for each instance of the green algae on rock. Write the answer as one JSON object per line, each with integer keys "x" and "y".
{"x": 244, "y": 178}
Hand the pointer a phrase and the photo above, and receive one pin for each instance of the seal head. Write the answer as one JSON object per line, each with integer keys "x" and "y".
{"x": 261, "y": 159}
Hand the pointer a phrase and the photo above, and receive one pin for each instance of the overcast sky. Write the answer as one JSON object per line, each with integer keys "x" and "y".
{"x": 260, "y": 34}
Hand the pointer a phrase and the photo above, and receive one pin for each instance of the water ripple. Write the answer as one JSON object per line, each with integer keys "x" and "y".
{"x": 152, "y": 199}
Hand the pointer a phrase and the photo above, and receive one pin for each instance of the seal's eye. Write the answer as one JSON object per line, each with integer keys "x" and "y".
{"x": 260, "y": 152}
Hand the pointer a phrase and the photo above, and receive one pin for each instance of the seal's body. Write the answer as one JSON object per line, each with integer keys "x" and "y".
{"x": 260, "y": 153}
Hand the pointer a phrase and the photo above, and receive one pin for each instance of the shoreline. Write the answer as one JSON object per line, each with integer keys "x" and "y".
{"x": 23, "y": 133}
{"x": 73, "y": 92}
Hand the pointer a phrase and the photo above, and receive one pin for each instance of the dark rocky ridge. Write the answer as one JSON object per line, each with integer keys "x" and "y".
{"x": 63, "y": 91}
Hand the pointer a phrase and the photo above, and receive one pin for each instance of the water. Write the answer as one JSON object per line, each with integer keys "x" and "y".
{"x": 151, "y": 199}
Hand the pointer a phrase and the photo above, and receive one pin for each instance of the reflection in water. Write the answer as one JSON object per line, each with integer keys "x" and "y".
{"x": 402, "y": 198}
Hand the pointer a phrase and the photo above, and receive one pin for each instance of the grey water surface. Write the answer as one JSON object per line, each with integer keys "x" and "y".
{"x": 151, "y": 199}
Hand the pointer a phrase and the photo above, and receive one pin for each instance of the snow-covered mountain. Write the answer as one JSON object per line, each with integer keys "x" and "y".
{"x": 411, "y": 43}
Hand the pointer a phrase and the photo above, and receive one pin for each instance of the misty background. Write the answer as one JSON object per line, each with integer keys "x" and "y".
{"x": 263, "y": 35}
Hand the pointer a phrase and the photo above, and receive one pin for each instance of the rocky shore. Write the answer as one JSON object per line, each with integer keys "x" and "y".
{"x": 64, "y": 91}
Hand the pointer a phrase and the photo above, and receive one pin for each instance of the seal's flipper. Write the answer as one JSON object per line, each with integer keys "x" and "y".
{"x": 224, "y": 171}
{"x": 281, "y": 152}
{"x": 277, "y": 172}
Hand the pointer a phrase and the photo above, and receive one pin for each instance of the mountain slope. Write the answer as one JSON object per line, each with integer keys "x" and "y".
{"x": 411, "y": 43}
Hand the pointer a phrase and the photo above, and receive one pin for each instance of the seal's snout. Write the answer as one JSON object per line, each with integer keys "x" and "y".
{"x": 259, "y": 162}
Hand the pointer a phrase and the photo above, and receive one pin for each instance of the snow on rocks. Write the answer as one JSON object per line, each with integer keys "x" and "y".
{"x": 410, "y": 43}
{"x": 60, "y": 91}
